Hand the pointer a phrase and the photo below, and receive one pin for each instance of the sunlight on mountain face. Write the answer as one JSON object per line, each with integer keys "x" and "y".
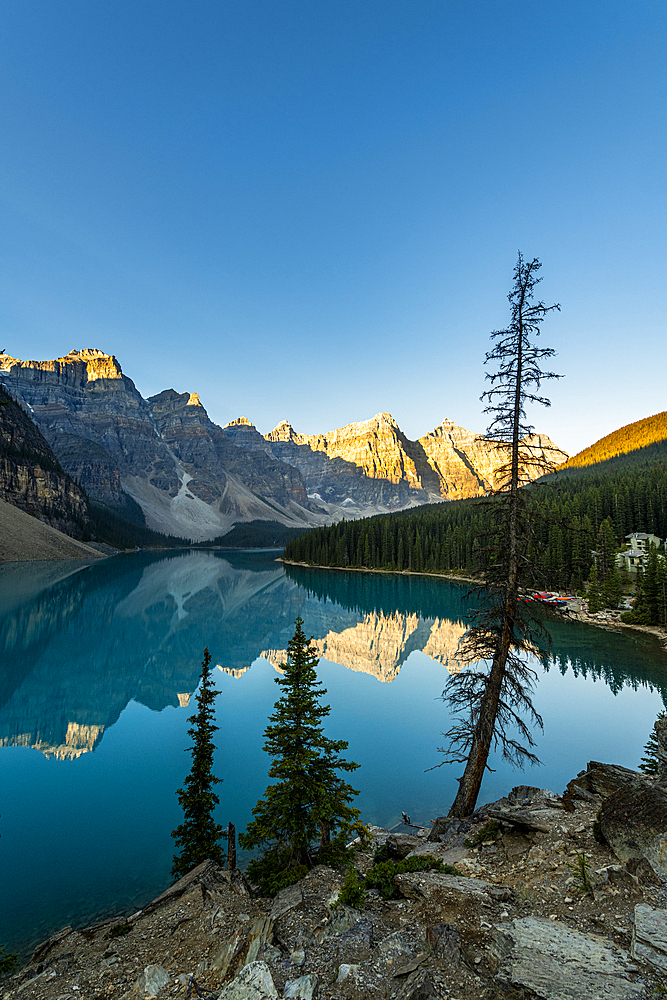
{"x": 380, "y": 644}
{"x": 79, "y": 739}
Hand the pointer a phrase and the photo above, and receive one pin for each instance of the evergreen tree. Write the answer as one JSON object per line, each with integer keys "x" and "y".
{"x": 198, "y": 836}
{"x": 652, "y": 761}
{"x": 594, "y": 592}
{"x": 612, "y": 590}
{"x": 309, "y": 801}
{"x": 491, "y": 696}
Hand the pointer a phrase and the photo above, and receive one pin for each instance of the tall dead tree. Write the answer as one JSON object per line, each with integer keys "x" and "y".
{"x": 493, "y": 694}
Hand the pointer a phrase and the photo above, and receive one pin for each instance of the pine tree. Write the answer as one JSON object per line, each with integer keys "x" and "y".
{"x": 653, "y": 759}
{"x": 198, "y": 836}
{"x": 594, "y": 592}
{"x": 492, "y": 694}
{"x": 309, "y": 801}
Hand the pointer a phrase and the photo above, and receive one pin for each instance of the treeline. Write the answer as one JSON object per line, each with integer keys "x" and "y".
{"x": 567, "y": 516}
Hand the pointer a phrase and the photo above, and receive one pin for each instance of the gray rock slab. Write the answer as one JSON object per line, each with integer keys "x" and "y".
{"x": 634, "y": 823}
{"x": 303, "y": 988}
{"x": 287, "y": 900}
{"x": 399, "y": 845}
{"x": 434, "y": 887}
{"x": 152, "y": 980}
{"x": 418, "y": 987}
{"x": 649, "y": 936}
{"x": 260, "y": 934}
{"x": 554, "y": 962}
{"x": 254, "y": 982}
{"x": 541, "y": 820}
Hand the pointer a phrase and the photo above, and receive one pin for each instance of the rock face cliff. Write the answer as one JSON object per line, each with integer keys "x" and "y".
{"x": 187, "y": 476}
{"x": 31, "y": 477}
{"x": 373, "y": 463}
{"x": 194, "y": 479}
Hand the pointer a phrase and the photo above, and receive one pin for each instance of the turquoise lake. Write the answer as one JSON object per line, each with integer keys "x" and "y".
{"x": 99, "y": 664}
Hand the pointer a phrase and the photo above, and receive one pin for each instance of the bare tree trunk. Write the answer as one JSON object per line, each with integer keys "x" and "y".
{"x": 325, "y": 834}
{"x": 231, "y": 847}
{"x": 471, "y": 782}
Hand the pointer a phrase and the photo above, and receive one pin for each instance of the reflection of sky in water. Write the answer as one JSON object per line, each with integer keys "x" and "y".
{"x": 103, "y": 659}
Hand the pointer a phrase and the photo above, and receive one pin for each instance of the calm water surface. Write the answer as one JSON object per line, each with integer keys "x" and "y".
{"x": 99, "y": 664}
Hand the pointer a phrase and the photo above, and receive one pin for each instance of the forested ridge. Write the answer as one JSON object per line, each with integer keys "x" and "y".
{"x": 628, "y": 439}
{"x": 450, "y": 537}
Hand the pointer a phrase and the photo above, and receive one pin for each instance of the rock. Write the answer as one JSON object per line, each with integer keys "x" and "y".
{"x": 538, "y": 819}
{"x": 641, "y": 869}
{"x": 447, "y": 890}
{"x": 633, "y": 821}
{"x": 42, "y": 950}
{"x": 394, "y": 949}
{"x": 254, "y": 982}
{"x": 548, "y": 961}
{"x": 603, "y": 779}
{"x": 304, "y": 988}
{"x": 418, "y": 987}
{"x": 342, "y": 920}
{"x": 444, "y": 828}
{"x": 208, "y": 874}
{"x": 649, "y": 936}
{"x": 411, "y": 966}
{"x": 287, "y": 900}
{"x": 261, "y": 933}
{"x": 354, "y": 945}
{"x": 298, "y": 957}
{"x": 444, "y": 941}
{"x": 400, "y": 845}
{"x": 228, "y": 954}
{"x": 346, "y": 971}
{"x": 152, "y": 980}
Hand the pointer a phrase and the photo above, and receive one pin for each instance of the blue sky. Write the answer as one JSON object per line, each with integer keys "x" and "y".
{"x": 311, "y": 210}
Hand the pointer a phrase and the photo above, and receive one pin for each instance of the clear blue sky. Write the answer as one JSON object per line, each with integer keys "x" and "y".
{"x": 311, "y": 210}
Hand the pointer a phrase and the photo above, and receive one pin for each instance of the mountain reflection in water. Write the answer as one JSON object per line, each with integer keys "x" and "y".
{"x": 79, "y": 642}
{"x": 79, "y": 646}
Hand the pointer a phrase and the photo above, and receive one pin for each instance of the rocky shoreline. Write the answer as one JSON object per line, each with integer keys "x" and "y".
{"x": 525, "y": 916}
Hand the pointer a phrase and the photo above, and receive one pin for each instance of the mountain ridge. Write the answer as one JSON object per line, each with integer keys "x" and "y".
{"x": 194, "y": 479}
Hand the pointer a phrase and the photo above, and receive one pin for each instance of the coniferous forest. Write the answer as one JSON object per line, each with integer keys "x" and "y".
{"x": 570, "y": 508}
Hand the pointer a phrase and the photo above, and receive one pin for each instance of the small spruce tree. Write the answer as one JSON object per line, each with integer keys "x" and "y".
{"x": 198, "y": 836}
{"x": 309, "y": 801}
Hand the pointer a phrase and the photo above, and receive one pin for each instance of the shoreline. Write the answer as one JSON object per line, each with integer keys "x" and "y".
{"x": 659, "y": 632}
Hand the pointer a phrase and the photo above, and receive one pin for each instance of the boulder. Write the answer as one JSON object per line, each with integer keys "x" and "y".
{"x": 540, "y": 819}
{"x": 602, "y": 779}
{"x": 649, "y": 936}
{"x": 260, "y": 934}
{"x": 400, "y": 845}
{"x": 152, "y": 980}
{"x": 633, "y": 821}
{"x": 354, "y": 946}
{"x": 287, "y": 900}
{"x": 444, "y": 828}
{"x": 303, "y": 988}
{"x": 418, "y": 987}
{"x": 444, "y": 941}
{"x": 436, "y": 889}
{"x": 546, "y": 960}
{"x": 254, "y": 982}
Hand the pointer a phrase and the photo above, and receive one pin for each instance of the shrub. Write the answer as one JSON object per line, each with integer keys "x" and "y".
{"x": 489, "y": 831}
{"x": 381, "y": 876}
{"x": 353, "y": 892}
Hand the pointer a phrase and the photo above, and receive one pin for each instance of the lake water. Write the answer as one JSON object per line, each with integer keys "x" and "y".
{"x": 99, "y": 664}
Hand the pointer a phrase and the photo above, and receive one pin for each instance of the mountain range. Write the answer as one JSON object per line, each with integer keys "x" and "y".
{"x": 162, "y": 460}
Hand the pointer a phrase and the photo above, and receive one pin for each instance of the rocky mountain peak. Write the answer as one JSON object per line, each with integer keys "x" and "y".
{"x": 237, "y": 422}
{"x": 193, "y": 400}
{"x": 282, "y": 432}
